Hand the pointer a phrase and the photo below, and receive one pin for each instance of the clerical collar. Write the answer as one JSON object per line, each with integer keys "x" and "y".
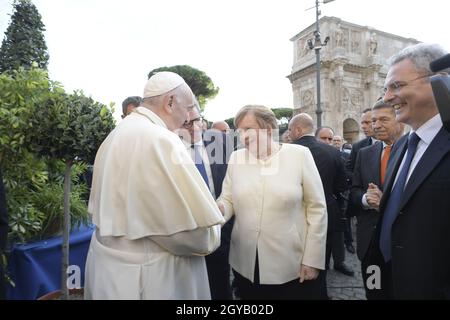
{"x": 150, "y": 115}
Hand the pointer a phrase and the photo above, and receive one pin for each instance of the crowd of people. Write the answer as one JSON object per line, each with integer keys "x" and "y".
{"x": 181, "y": 209}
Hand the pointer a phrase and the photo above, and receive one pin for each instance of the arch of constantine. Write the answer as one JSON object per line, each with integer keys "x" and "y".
{"x": 353, "y": 69}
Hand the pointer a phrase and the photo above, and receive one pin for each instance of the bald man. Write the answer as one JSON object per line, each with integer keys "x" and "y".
{"x": 334, "y": 180}
{"x": 221, "y": 126}
{"x": 156, "y": 218}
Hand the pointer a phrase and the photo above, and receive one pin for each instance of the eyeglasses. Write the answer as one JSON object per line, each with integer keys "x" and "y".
{"x": 397, "y": 85}
{"x": 189, "y": 124}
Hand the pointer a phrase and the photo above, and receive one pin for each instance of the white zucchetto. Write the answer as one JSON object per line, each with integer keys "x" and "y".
{"x": 161, "y": 83}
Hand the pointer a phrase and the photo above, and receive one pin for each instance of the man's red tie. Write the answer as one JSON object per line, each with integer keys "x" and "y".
{"x": 384, "y": 162}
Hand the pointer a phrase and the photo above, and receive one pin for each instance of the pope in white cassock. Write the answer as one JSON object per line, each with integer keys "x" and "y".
{"x": 155, "y": 217}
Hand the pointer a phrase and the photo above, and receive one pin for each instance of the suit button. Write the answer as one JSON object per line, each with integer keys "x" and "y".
{"x": 401, "y": 212}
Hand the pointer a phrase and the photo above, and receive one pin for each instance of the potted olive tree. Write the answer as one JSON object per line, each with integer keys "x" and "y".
{"x": 43, "y": 133}
{"x": 70, "y": 128}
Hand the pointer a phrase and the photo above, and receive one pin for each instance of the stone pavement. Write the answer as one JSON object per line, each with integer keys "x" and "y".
{"x": 342, "y": 287}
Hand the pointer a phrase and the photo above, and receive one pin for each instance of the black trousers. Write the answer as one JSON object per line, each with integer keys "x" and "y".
{"x": 348, "y": 238}
{"x": 218, "y": 266}
{"x": 292, "y": 290}
{"x": 219, "y": 275}
{"x": 335, "y": 247}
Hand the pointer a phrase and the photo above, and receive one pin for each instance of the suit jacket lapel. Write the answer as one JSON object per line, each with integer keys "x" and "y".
{"x": 434, "y": 153}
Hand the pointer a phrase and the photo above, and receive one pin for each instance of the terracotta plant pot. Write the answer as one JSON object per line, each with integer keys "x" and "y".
{"x": 74, "y": 294}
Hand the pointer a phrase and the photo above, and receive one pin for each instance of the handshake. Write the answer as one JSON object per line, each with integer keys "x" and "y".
{"x": 221, "y": 207}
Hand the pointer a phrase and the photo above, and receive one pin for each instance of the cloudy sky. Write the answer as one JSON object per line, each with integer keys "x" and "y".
{"x": 107, "y": 47}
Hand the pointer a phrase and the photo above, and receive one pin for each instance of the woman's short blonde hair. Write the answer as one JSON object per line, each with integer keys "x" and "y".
{"x": 264, "y": 116}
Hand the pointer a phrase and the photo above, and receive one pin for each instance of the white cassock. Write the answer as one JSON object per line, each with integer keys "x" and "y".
{"x": 155, "y": 217}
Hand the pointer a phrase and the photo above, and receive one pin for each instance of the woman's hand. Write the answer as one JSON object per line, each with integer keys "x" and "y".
{"x": 221, "y": 207}
{"x": 308, "y": 273}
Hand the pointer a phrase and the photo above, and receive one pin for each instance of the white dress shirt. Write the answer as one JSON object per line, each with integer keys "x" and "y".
{"x": 205, "y": 158}
{"x": 426, "y": 133}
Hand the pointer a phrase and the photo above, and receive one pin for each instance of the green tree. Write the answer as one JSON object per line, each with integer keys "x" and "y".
{"x": 202, "y": 85}
{"x": 70, "y": 128}
{"x": 24, "y": 42}
{"x": 283, "y": 116}
{"x": 34, "y": 184}
{"x": 44, "y": 132}
{"x": 230, "y": 122}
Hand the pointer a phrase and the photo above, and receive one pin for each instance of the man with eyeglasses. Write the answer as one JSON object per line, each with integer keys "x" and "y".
{"x": 208, "y": 150}
{"x": 155, "y": 217}
{"x": 370, "y": 171}
{"x": 411, "y": 243}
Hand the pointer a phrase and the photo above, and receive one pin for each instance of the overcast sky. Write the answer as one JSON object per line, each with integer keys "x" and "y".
{"x": 107, "y": 47}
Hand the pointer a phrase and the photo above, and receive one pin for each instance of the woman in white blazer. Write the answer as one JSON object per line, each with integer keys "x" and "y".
{"x": 275, "y": 192}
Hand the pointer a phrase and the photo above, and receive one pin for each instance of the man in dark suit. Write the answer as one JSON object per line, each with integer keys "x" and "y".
{"x": 366, "y": 127}
{"x": 411, "y": 244}
{"x": 332, "y": 173}
{"x": 344, "y": 197}
{"x": 3, "y": 235}
{"x": 210, "y": 151}
{"x": 370, "y": 171}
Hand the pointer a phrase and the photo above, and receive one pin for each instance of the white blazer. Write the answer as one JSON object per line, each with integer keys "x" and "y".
{"x": 280, "y": 210}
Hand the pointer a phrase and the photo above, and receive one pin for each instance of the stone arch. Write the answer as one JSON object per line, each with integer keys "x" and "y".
{"x": 351, "y": 130}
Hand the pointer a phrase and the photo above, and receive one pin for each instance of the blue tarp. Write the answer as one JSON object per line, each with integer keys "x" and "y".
{"x": 35, "y": 268}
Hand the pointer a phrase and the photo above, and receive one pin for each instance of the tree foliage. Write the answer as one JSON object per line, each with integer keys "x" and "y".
{"x": 27, "y": 176}
{"x": 202, "y": 85}
{"x": 44, "y": 134}
{"x": 71, "y": 127}
{"x": 283, "y": 116}
{"x": 36, "y": 119}
{"x": 230, "y": 122}
{"x": 24, "y": 42}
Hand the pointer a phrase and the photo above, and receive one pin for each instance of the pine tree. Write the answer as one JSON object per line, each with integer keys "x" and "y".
{"x": 24, "y": 42}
